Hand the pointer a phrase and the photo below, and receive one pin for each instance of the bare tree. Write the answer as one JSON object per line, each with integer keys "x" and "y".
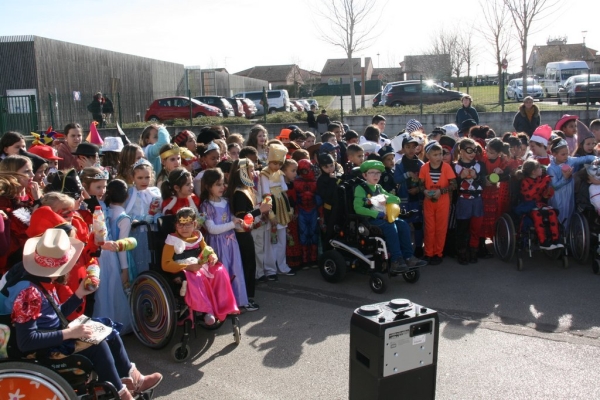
{"x": 347, "y": 28}
{"x": 524, "y": 13}
{"x": 467, "y": 52}
{"x": 447, "y": 42}
{"x": 497, "y": 33}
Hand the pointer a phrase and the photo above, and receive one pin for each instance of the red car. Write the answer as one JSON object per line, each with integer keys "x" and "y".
{"x": 249, "y": 108}
{"x": 179, "y": 107}
{"x": 238, "y": 107}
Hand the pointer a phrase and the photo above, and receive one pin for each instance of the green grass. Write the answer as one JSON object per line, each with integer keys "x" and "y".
{"x": 324, "y": 101}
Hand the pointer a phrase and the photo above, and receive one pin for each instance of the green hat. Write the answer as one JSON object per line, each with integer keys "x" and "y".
{"x": 372, "y": 164}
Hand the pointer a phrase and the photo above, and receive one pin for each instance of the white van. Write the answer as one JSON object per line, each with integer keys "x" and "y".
{"x": 558, "y": 72}
{"x": 279, "y": 100}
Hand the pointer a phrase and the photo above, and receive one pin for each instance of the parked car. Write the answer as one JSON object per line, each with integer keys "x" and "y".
{"x": 305, "y": 105}
{"x": 389, "y": 87}
{"x": 238, "y": 107}
{"x": 299, "y": 106}
{"x": 377, "y": 100}
{"x": 575, "y": 89}
{"x": 313, "y": 101}
{"x": 218, "y": 101}
{"x": 514, "y": 89}
{"x": 249, "y": 108}
{"x": 179, "y": 107}
{"x": 415, "y": 92}
{"x": 279, "y": 100}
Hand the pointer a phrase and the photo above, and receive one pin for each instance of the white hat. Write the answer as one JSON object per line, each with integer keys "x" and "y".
{"x": 51, "y": 255}
{"x": 451, "y": 130}
{"x": 112, "y": 143}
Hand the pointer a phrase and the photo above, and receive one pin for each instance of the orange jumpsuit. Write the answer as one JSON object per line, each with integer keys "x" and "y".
{"x": 436, "y": 212}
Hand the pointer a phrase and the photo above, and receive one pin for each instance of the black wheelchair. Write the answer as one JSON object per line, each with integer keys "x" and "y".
{"x": 358, "y": 246}
{"x": 68, "y": 378}
{"x": 157, "y": 307}
{"x": 584, "y": 230}
{"x": 515, "y": 233}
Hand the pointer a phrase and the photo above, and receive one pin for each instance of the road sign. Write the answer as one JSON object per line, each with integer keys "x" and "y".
{"x": 504, "y": 64}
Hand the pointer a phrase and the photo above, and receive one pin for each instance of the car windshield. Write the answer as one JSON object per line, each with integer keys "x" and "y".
{"x": 530, "y": 82}
{"x": 567, "y": 73}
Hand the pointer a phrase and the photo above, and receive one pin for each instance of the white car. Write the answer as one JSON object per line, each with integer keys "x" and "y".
{"x": 514, "y": 89}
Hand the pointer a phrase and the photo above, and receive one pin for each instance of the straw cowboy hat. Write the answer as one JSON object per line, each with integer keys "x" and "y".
{"x": 51, "y": 255}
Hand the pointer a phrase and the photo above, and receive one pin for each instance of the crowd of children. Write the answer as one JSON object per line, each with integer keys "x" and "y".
{"x": 247, "y": 212}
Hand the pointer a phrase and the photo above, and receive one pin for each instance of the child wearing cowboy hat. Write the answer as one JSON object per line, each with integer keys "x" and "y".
{"x": 40, "y": 324}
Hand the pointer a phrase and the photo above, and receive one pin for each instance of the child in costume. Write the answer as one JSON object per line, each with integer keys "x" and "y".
{"x": 152, "y": 139}
{"x": 561, "y": 170}
{"x": 220, "y": 224}
{"x": 170, "y": 158}
{"x": 437, "y": 182}
{"x": 186, "y": 254}
{"x": 396, "y": 233}
{"x": 538, "y": 144}
{"x": 307, "y": 204}
{"x": 293, "y": 250}
{"x": 471, "y": 176}
{"x": 210, "y": 156}
{"x": 536, "y": 190}
{"x": 178, "y": 191}
{"x": 327, "y": 190}
{"x": 143, "y": 204}
{"x": 272, "y": 184}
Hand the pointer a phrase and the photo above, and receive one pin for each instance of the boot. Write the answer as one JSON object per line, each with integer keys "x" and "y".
{"x": 482, "y": 251}
{"x": 137, "y": 383}
{"x": 473, "y": 255}
{"x": 125, "y": 394}
{"x": 462, "y": 257}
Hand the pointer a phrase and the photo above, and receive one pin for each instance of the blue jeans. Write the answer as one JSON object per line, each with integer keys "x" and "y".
{"x": 110, "y": 359}
{"x": 397, "y": 237}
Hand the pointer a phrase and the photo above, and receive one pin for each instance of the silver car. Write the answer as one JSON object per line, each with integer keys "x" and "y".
{"x": 514, "y": 89}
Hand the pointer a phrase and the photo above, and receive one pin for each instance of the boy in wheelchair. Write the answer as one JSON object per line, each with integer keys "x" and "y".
{"x": 396, "y": 233}
{"x": 205, "y": 282}
{"x": 41, "y": 330}
{"x": 536, "y": 190}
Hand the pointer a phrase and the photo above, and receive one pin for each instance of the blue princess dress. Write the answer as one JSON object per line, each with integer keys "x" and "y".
{"x": 221, "y": 237}
{"x": 143, "y": 205}
{"x": 111, "y": 300}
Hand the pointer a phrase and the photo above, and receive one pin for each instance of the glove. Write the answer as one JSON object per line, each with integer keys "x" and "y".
{"x": 380, "y": 215}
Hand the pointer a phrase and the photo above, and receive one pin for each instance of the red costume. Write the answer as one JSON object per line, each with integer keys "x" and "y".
{"x": 307, "y": 203}
{"x": 536, "y": 192}
{"x": 495, "y": 197}
{"x": 171, "y": 205}
{"x": 18, "y": 212}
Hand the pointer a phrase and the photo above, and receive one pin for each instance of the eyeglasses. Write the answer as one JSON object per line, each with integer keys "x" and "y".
{"x": 374, "y": 173}
{"x": 469, "y": 150}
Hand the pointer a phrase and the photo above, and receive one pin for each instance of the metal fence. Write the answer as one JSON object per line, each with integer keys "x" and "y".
{"x": 18, "y": 113}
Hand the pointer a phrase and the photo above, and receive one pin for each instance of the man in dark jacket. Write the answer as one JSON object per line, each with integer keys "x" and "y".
{"x": 95, "y": 107}
{"x": 467, "y": 111}
{"x": 322, "y": 122}
{"x": 528, "y": 118}
{"x": 310, "y": 118}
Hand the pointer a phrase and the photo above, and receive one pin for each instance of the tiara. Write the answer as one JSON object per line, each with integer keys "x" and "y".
{"x": 183, "y": 171}
{"x": 141, "y": 161}
{"x": 102, "y": 175}
{"x": 184, "y": 220}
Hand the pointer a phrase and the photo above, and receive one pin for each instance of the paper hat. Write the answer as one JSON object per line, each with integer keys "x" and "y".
{"x": 277, "y": 152}
{"x": 94, "y": 136}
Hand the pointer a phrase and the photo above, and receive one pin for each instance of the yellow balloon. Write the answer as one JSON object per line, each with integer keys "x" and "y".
{"x": 392, "y": 211}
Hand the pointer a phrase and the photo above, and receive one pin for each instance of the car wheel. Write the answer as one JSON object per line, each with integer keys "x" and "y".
{"x": 272, "y": 110}
{"x": 507, "y": 96}
{"x": 199, "y": 115}
{"x": 154, "y": 118}
{"x": 397, "y": 104}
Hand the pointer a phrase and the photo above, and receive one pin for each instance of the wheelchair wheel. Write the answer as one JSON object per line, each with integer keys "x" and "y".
{"x": 412, "y": 276}
{"x": 29, "y": 380}
{"x": 180, "y": 353}
{"x": 504, "y": 238}
{"x": 237, "y": 331}
{"x": 579, "y": 238}
{"x": 153, "y": 310}
{"x": 377, "y": 283}
{"x": 333, "y": 266}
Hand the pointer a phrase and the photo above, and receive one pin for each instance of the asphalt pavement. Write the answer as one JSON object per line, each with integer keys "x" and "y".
{"x": 504, "y": 334}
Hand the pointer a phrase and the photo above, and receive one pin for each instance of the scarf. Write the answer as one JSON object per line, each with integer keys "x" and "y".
{"x": 529, "y": 113}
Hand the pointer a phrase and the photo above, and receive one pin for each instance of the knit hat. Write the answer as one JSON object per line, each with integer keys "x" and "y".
{"x": 565, "y": 118}
{"x": 413, "y": 125}
{"x": 542, "y": 135}
{"x": 430, "y": 145}
{"x": 372, "y": 164}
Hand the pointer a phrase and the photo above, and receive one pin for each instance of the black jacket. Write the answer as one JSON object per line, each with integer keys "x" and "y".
{"x": 522, "y": 124}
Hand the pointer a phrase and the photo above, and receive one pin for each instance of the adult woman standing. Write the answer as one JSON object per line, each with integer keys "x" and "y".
{"x": 467, "y": 111}
{"x": 73, "y": 137}
{"x": 528, "y": 118}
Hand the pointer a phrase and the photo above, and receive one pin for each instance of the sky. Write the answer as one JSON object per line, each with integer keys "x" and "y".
{"x": 239, "y": 34}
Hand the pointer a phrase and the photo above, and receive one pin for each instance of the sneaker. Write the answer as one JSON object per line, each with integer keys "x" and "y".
{"x": 262, "y": 279}
{"x": 209, "y": 319}
{"x": 415, "y": 262}
{"x": 398, "y": 267}
{"x": 559, "y": 245}
{"x": 251, "y": 306}
{"x": 435, "y": 260}
{"x": 547, "y": 247}
{"x": 291, "y": 272}
{"x": 272, "y": 278}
